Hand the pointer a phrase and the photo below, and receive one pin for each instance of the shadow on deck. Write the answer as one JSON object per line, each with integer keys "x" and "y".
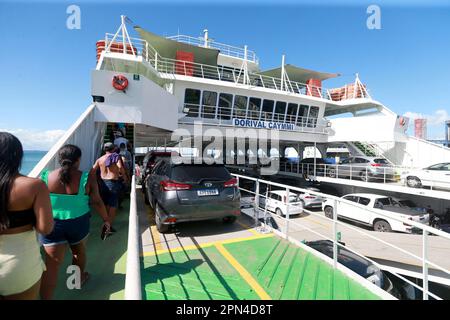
{"x": 106, "y": 263}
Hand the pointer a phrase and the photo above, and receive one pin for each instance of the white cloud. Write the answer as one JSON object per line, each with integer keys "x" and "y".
{"x": 435, "y": 122}
{"x": 35, "y": 139}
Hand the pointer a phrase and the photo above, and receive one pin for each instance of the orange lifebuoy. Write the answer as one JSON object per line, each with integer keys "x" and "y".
{"x": 402, "y": 121}
{"x": 120, "y": 82}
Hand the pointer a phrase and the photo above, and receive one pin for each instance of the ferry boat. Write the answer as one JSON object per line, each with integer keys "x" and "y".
{"x": 196, "y": 93}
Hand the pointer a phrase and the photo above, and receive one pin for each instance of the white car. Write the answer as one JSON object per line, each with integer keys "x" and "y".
{"x": 436, "y": 176}
{"x": 378, "y": 203}
{"x": 276, "y": 202}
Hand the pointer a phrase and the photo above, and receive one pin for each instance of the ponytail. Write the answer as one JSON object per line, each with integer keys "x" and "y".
{"x": 68, "y": 156}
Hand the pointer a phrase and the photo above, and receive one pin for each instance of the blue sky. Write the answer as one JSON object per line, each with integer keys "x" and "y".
{"x": 46, "y": 67}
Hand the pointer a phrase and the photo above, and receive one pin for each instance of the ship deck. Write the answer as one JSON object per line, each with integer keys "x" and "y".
{"x": 207, "y": 260}
{"x": 212, "y": 260}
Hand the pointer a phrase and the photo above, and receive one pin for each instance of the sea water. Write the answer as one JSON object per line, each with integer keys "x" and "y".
{"x": 30, "y": 159}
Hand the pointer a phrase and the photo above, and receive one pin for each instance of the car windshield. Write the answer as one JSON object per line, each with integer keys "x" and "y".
{"x": 381, "y": 161}
{"x": 196, "y": 173}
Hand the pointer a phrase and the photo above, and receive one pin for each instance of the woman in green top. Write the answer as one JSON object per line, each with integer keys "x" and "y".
{"x": 72, "y": 193}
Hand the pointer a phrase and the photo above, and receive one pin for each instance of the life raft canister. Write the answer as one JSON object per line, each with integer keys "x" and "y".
{"x": 120, "y": 82}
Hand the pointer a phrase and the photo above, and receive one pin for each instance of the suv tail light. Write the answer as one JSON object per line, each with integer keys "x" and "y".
{"x": 309, "y": 197}
{"x": 233, "y": 182}
{"x": 174, "y": 186}
{"x": 375, "y": 164}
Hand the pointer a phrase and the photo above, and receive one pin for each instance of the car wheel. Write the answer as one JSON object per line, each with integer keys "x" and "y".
{"x": 230, "y": 219}
{"x": 413, "y": 182}
{"x": 279, "y": 212}
{"x": 162, "y": 228}
{"x": 382, "y": 226}
{"x": 328, "y": 212}
{"x": 363, "y": 176}
{"x": 332, "y": 173}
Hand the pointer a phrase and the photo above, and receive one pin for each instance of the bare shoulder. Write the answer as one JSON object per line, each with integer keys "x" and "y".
{"x": 29, "y": 184}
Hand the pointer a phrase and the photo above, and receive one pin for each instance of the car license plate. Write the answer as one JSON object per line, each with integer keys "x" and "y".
{"x": 207, "y": 192}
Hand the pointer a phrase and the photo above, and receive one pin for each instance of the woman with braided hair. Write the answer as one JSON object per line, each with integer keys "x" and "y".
{"x": 72, "y": 193}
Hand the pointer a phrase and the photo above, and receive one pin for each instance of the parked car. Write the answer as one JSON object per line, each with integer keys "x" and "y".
{"x": 149, "y": 162}
{"x": 276, "y": 202}
{"x": 437, "y": 175}
{"x": 364, "y": 168}
{"x": 181, "y": 192}
{"x": 366, "y": 269}
{"x": 378, "y": 203}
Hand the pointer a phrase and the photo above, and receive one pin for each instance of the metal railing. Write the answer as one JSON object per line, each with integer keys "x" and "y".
{"x": 368, "y": 173}
{"x": 133, "y": 273}
{"x": 224, "y": 49}
{"x": 426, "y": 230}
{"x": 174, "y": 67}
{"x": 218, "y": 115}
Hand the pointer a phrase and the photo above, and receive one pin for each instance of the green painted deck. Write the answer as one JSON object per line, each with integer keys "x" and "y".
{"x": 284, "y": 270}
{"x": 106, "y": 263}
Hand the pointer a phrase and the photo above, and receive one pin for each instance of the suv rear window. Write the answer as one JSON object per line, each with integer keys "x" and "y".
{"x": 381, "y": 161}
{"x": 195, "y": 173}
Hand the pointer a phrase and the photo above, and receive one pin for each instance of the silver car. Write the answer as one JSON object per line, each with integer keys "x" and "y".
{"x": 364, "y": 168}
{"x": 192, "y": 192}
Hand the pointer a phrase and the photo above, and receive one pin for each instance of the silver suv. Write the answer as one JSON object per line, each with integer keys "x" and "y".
{"x": 192, "y": 192}
{"x": 365, "y": 168}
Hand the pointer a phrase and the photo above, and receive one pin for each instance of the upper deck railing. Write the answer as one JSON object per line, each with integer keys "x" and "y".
{"x": 225, "y": 49}
{"x": 173, "y": 67}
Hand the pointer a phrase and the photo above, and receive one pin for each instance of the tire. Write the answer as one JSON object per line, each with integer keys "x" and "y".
{"x": 162, "y": 228}
{"x": 229, "y": 219}
{"x": 382, "y": 226}
{"x": 332, "y": 173}
{"x": 328, "y": 212}
{"x": 279, "y": 212}
{"x": 364, "y": 177}
{"x": 413, "y": 182}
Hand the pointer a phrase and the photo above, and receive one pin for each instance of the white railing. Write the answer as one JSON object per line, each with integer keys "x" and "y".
{"x": 133, "y": 273}
{"x": 224, "y": 49}
{"x": 223, "y": 116}
{"x": 366, "y": 173}
{"x": 426, "y": 230}
{"x": 173, "y": 67}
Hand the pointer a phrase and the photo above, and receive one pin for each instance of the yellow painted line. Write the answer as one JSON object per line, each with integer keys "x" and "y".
{"x": 252, "y": 230}
{"x": 155, "y": 235}
{"x": 243, "y": 272}
{"x": 205, "y": 245}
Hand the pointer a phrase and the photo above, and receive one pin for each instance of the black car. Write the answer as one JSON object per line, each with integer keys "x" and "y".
{"x": 148, "y": 163}
{"x": 181, "y": 192}
{"x": 358, "y": 264}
